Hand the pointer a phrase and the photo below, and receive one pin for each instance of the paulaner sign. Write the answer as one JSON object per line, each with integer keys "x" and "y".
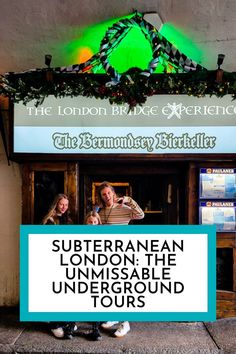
{"x": 165, "y": 124}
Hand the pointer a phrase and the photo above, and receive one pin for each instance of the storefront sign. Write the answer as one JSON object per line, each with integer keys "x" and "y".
{"x": 166, "y": 124}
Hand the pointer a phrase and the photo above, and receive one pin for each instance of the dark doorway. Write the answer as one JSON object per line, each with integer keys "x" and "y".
{"x": 47, "y": 185}
{"x": 159, "y": 190}
{"x": 224, "y": 269}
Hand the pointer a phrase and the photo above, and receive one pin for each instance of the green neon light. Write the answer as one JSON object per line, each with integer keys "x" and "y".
{"x": 89, "y": 39}
{"x": 183, "y": 43}
{"x": 133, "y": 51}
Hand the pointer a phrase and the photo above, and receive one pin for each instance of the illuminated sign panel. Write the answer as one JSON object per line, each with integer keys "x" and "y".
{"x": 166, "y": 124}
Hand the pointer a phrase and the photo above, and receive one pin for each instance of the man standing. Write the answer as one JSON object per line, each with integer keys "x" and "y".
{"x": 117, "y": 211}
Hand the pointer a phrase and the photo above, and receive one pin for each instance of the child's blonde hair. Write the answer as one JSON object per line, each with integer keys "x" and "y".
{"x": 94, "y": 214}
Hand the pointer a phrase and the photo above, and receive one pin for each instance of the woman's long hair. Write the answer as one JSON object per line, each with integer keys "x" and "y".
{"x": 52, "y": 213}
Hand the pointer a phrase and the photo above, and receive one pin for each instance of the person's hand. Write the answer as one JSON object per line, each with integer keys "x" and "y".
{"x": 122, "y": 200}
{"x": 125, "y": 199}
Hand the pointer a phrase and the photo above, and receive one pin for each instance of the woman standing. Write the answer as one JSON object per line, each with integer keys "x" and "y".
{"x": 58, "y": 214}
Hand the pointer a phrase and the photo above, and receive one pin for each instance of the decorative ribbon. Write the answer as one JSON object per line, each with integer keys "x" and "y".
{"x": 161, "y": 48}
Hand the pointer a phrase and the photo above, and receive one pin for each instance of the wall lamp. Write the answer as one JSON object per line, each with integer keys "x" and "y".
{"x": 220, "y": 60}
{"x": 48, "y": 59}
{"x": 219, "y": 71}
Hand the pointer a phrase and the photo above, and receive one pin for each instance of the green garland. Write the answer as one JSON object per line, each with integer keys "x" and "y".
{"x": 132, "y": 88}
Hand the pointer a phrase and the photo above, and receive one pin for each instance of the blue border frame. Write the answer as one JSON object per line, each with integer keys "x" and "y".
{"x": 209, "y": 315}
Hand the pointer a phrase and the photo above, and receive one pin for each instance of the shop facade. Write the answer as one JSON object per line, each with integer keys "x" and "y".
{"x": 171, "y": 187}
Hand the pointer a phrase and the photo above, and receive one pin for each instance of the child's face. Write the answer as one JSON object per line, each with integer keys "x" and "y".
{"x": 92, "y": 220}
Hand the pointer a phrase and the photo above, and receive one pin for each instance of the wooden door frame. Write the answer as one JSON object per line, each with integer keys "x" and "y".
{"x": 70, "y": 170}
